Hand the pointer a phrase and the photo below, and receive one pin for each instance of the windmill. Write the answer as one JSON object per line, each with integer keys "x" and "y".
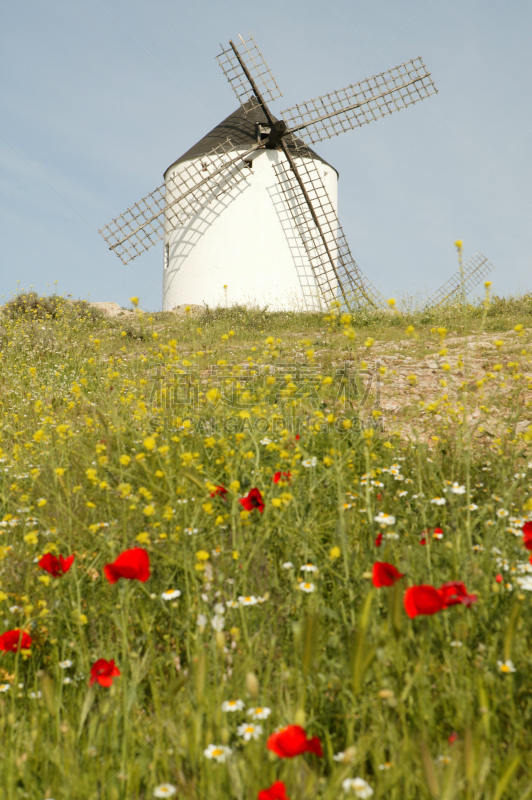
{"x": 251, "y": 209}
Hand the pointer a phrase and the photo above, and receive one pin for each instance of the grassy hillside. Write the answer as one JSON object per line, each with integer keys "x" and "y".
{"x": 390, "y": 438}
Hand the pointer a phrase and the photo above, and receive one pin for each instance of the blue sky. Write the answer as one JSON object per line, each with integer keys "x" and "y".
{"x": 98, "y": 98}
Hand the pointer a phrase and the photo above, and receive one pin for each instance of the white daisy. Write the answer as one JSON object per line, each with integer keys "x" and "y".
{"x": 402, "y": 494}
{"x": 231, "y": 604}
{"x": 385, "y": 519}
{"x": 438, "y": 501}
{"x": 171, "y": 594}
{"x": 217, "y": 751}
{"x": 501, "y": 513}
{"x": 67, "y": 680}
{"x": 219, "y": 608}
{"x": 250, "y": 600}
{"x": 66, "y": 663}
{"x": 525, "y": 583}
{"x": 288, "y": 565}
{"x": 191, "y": 531}
{"x": 265, "y": 440}
{"x": 232, "y": 705}
{"x": 164, "y": 790}
{"x": 310, "y": 462}
{"x": 218, "y": 622}
{"x": 260, "y": 712}
{"x": 307, "y": 587}
{"x": 457, "y": 489}
{"x": 456, "y": 643}
{"x": 473, "y": 507}
{"x": 201, "y": 621}
{"x": 308, "y": 568}
{"x": 5, "y": 687}
{"x": 506, "y": 666}
{"x": 358, "y": 786}
{"x": 249, "y": 731}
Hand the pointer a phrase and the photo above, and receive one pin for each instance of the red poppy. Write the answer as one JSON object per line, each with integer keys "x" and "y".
{"x": 498, "y": 577}
{"x": 11, "y": 641}
{"x": 56, "y": 566}
{"x": 221, "y": 490}
{"x": 453, "y": 737}
{"x": 252, "y": 500}
{"x": 422, "y": 540}
{"x": 103, "y": 672}
{"x": 281, "y": 476}
{"x": 385, "y": 574}
{"x": 527, "y": 535}
{"x": 378, "y": 540}
{"x": 134, "y": 565}
{"x": 292, "y": 741}
{"x": 422, "y": 599}
{"x": 455, "y": 592}
{"x": 277, "y": 791}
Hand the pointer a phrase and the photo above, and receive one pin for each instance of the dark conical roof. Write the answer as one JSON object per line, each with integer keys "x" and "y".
{"x": 239, "y": 127}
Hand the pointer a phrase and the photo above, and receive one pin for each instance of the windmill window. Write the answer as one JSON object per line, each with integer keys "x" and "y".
{"x": 249, "y": 164}
{"x": 166, "y": 255}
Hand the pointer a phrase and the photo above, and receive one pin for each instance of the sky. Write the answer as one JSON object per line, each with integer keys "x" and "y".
{"x": 99, "y": 97}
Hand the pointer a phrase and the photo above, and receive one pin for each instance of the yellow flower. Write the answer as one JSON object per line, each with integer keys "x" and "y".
{"x": 391, "y": 302}
{"x": 335, "y": 552}
{"x": 83, "y": 619}
{"x": 45, "y": 579}
{"x": 148, "y": 511}
{"x": 236, "y": 555}
{"x": 89, "y": 504}
{"x": 41, "y": 502}
{"x": 234, "y": 486}
{"x": 149, "y": 443}
{"x": 125, "y": 460}
{"x": 38, "y": 435}
{"x": 202, "y": 555}
{"x": 31, "y": 538}
{"x": 199, "y": 566}
{"x": 134, "y": 301}
{"x": 59, "y": 471}
{"x": 276, "y": 502}
{"x": 328, "y": 461}
{"x": 458, "y": 244}
{"x": 143, "y": 538}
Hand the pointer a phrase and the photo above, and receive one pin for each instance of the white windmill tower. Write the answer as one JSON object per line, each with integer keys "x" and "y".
{"x": 249, "y": 213}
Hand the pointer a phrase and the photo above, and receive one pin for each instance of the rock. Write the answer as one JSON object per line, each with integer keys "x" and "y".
{"x": 111, "y": 309}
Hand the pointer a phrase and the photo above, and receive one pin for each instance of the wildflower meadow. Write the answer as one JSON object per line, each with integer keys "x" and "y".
{"x": 265, "y": 555}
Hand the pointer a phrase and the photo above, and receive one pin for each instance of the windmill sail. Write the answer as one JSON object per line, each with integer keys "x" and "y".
{"x": 257, "y": 68}
{"x": 192, "y": 188}
{"x": 463, "y": 281}
{"x": 335, "y": 270}
{"x": 360, "y": 103}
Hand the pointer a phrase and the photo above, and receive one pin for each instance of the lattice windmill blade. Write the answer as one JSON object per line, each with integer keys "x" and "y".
{"x": 192, "y": 188}
{"x": 360, "y": 103}
{"x": 333, "y": 265}
{"x": 465, "y": 280}
{"x": 258, "y": 69}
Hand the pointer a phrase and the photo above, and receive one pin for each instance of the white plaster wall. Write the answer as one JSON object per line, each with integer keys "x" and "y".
{"x": 245, "y": 240}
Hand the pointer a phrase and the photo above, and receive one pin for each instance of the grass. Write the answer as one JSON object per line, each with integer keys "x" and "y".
{"x": 115, "y": 433}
